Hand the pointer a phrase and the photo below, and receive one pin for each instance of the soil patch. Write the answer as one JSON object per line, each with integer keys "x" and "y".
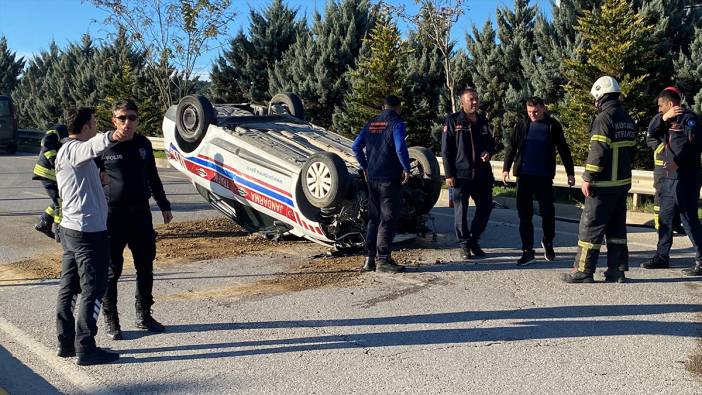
{"x": 309, "y": 274}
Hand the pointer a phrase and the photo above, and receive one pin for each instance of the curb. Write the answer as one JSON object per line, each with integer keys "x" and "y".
{"x": 162, "y": 163}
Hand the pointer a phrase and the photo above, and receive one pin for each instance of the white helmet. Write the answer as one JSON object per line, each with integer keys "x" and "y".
{"x": 604, "y": 85}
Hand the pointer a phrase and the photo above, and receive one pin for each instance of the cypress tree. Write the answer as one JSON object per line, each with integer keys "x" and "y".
{"x": 617, "y": 42}
{"x": 380, "y": 71}
{"x": 10, "y": 68}
{"x": 241, "y": 72}
{"x": 315, "y": 66}
{"x": 688, "y": 72}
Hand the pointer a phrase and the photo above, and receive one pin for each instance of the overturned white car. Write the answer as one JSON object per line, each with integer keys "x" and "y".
{"x": 274, "y": 173}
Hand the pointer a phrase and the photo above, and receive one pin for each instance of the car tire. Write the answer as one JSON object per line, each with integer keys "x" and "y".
{"x": 325, "y": 179}
{"x": 291, "y": 102}
{"x": 194, "y": 115}
{"x": 427, "y": 175}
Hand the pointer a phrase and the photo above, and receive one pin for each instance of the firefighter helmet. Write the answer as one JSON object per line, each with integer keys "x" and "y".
{"x": 604, "y": 85}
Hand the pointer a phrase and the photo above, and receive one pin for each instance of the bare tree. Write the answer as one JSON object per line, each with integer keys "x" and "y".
{"x": 435, "y": 20}
{"x": 173, "y": 34}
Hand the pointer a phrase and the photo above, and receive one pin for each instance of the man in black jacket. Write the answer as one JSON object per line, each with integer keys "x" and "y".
{"x": 676, "y": 136}
{"x": 130, "y": 179}
{"x": 532, "y": 150}
{"x": 466, "y": 147}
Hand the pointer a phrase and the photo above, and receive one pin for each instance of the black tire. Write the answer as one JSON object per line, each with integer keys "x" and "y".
{"x": 325, "y": 179}
{"x": 193, "y": 116}
{"x": 426, "y": 175}
{"x": 291, "y": 102}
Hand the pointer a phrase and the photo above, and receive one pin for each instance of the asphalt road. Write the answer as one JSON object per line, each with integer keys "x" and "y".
{"x": 455, "y": 327}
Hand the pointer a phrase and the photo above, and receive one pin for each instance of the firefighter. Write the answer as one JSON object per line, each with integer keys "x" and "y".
{"x": 676, "y": 136}
{"x": 44, "y": 172}
{"x": 466, "y": 147}
{"x": 386, "y": 167}
{"x": 606, "y": 181}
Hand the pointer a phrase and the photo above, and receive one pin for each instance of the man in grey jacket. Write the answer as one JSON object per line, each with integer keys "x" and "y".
{"x": 83, "y": 230}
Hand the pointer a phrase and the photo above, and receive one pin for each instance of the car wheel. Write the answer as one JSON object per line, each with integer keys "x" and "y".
{"x": 325, "y": 179}
{"x": 291, "y": 102}
{"x": 425, "y": 175}
{"x": 193, "y": 116}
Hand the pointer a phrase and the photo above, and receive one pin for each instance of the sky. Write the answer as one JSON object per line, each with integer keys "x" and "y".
{"x": 30, "y": 25}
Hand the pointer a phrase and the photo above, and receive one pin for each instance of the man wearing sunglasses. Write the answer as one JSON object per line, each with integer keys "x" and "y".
{"x": 130, "y": 178}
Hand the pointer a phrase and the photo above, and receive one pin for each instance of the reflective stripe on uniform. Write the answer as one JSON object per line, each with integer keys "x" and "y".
{"x": 601, "y": 139}
{"x": 49, "y": 210}
{"x": 658, "y": 150}
{"x": 625, "y": 143}
{"x": 585, "y": 244}
{"x": 616, "y": 241}
{"x": 615, "y": 183}
{"x": 593, "y": 168}
{"x": 583, "y": 253}
{"x": 50, "y": 154}
{"x": 42, "y": 171}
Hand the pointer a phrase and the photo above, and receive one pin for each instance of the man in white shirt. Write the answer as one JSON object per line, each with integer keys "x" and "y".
{"x": 83, "y": 231}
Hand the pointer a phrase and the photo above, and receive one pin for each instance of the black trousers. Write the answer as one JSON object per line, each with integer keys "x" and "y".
{"x": 84, "y": 272}
{"x": 384, "y": 199}
{"x": 604, "y": 216}
{"x": 52, "y": 214}
{"x": 674, "y": 197}
{"x": 480, "y": 190}
{"x": 541, "y": 188}
{"x": 131, "y": 226}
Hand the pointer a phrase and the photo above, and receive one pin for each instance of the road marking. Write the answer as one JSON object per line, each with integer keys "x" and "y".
{"x": 653, "y": 246}
{"x": 35, "y": 194}
{"x": 67, "y": 370}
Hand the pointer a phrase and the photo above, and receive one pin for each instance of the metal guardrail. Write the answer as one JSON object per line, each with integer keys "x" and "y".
{"x": 157, "y": 143}
{"x": 641, "y": 180}
{"x": 31, "y": 134}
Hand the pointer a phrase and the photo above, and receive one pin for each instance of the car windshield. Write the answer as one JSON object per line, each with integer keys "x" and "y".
{"x": 4, "y": 108}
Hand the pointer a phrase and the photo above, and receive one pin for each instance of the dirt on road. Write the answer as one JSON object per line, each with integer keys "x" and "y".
{"x": 218, "y": 238}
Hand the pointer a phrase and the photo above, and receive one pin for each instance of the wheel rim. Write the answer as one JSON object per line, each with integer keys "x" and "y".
{"x": 190, "y": 121}
{"x": 319, "y": 180}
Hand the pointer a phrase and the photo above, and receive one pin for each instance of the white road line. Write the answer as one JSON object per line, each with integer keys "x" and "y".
{"x": 68, "y": 370}
{"x": 653, "y": 246}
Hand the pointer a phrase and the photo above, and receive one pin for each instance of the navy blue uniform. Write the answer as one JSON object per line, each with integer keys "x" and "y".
{"x": 679, "y": 140}
{"x": 133, "y": 179}
{"x": 462, "y": 142}
{"x": 384, "y": 160}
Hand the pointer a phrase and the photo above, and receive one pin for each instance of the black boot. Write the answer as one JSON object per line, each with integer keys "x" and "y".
{"x": 144, "y": 320}
{"x": 694, "y": 270}
{"x": 66, "y": 350}
{"x": 614, "y": 276}
{"x": 44, "y": 226}
{"x": 368, "y": 264}
{"x": 657, "y": 262}
{"x": 475, "y": 249}
{"x": 578, "y": 278}
{"x": 96, "y": 356}
{"x": 466, "y": 252}
{"x": 527, "y": 258}
{"x": 388, "y": 266}
{"x": 112, "y": 328}
{"x": 549, "y": 253}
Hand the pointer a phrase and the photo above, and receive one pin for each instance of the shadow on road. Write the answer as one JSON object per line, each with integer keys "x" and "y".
{"x": 540, "y": 323}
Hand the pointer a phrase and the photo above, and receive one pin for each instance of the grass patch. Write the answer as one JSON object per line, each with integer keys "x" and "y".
{"x": 504, "y": 191}
{"x": 159, "y": 154}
